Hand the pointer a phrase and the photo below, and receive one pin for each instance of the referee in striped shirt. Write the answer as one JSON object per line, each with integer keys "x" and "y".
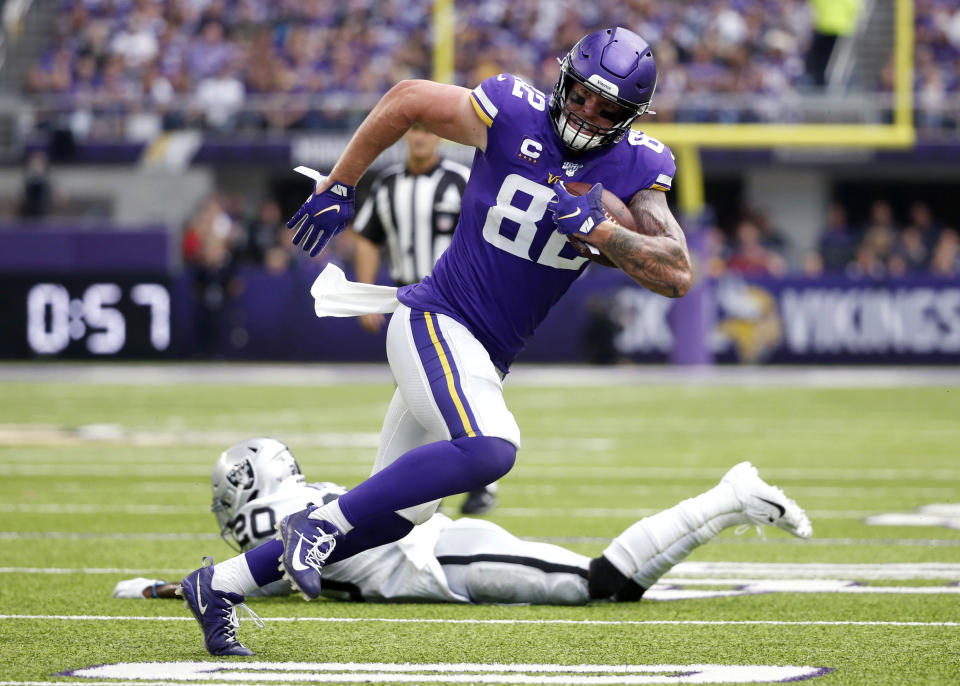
{"x": 412, "y": 210}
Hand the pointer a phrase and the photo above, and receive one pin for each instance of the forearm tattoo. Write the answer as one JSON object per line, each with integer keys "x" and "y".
{"x": 656, "y": 256}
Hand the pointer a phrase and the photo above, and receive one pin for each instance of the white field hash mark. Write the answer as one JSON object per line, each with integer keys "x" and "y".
{"x": 475, "y": 673}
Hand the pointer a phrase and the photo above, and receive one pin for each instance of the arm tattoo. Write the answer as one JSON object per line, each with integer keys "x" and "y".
{"x": 656, "y": 256}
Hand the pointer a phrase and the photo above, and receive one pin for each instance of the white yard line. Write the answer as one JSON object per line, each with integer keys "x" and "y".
{"x": 599, "y": 540}
{"x": 745, "y": 571}
{"x": 26, "y": 466}
{"x": 145, "y": 509}
{"x": 429, "y": 620}
{"x": 310, "y": 374}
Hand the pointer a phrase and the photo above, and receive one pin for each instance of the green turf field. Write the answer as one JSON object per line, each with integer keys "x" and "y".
{"x": 105, "y": 482}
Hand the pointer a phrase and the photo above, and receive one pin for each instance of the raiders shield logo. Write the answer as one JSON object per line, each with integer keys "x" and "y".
{"x": 241, "y": 476}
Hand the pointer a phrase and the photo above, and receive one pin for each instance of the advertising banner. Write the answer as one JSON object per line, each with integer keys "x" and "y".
{"x": 604, "y": 319}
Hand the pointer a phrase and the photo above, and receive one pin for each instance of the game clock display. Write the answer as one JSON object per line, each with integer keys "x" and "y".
{"x": 90, "y": 317}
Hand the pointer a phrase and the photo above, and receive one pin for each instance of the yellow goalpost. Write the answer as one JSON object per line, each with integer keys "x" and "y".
{"x": 687, "y": 139}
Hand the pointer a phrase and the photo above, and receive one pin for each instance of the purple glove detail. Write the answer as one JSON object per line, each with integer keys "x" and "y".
{"x": 577, "y": 214}
{"x": 322, "y": 217}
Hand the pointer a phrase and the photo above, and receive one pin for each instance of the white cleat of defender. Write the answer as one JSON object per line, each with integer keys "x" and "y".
{"x": 764, "y": 504}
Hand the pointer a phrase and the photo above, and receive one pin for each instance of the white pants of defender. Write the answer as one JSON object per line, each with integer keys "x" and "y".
{"x": 467, "y": 560}
{"x": 415, "y": 416}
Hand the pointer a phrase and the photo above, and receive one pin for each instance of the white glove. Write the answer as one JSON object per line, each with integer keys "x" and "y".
{"x": 133, "y": 588}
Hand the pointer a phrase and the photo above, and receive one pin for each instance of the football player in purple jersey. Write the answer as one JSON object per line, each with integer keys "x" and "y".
{"x": 454, "y": 335}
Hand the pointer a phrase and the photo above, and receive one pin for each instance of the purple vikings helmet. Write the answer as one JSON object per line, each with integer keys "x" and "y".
{"x": 616, "y": 64}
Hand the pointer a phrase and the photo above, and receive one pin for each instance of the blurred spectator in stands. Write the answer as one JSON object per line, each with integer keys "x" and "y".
{"x": 867, "y": 264}
{"x": 136, "y": 42}
{"x": 921, "y": 219}
{"x": 946, "y": 254}
{"x": 208, "y": 242}
{"x": 932, "y": 89}
{"x": 39, "y": 195}
{"x": 263, "y": 232}
{"x": 836, "y": 245}
{"x": 770, "y": 237}
{"x": 831, "y": 20}
{"x": 209, "y": 51}
{"x": 881, "y": 229}
{"x": 912, "y": 248}
{"x": 219, "y": 98}
{"x": 909, "y": 254}
{"x": 158, "y": 93}
{"x": 748, "y": 254}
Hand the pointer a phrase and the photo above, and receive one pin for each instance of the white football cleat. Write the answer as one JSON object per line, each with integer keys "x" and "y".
{"x": 765, "y": 504}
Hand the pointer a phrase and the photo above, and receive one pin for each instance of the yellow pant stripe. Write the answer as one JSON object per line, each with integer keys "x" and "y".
{"x": 448, "y": 373}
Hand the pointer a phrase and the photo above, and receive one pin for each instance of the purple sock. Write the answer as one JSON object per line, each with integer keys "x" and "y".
{"x": 264, "y": 562}
{"x": 370, "y": 534}
{"x": 427, "y": 473}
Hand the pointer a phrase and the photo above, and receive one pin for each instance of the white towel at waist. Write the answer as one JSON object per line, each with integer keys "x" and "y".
{"x": 334, "y": 296}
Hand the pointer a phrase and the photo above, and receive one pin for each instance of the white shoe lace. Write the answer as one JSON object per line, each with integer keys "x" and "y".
{"x": 234, "y": 621}
{"x": 315, "y": 557}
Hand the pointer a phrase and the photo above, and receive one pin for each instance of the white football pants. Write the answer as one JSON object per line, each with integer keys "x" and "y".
{"x": 447, "y": 388}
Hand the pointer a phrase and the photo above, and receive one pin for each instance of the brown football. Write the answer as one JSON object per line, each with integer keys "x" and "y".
{"x": 615, "y": 210}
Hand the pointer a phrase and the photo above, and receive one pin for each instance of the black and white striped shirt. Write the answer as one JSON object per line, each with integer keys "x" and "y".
{"x": 414, "y": 215}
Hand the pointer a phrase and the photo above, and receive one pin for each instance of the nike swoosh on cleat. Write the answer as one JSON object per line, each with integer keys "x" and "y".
{"x": 566, "y": 216}
{"x": 335, "y": 208}
{"x": 296, "y": 564}
{"x": 203, "y": 608}
{"x": 779, "y": 507}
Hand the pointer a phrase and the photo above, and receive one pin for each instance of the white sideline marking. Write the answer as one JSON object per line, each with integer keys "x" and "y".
{"x": 429, "y": 620}
{"x": 681, "y": 573}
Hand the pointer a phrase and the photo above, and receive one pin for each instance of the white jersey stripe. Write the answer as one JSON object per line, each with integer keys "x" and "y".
{"x": 485, "y": 102}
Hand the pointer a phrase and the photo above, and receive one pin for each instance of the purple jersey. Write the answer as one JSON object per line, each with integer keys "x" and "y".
{"x": 507, "y": 264}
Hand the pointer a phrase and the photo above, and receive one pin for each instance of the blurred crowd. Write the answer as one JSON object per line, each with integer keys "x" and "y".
{"x": 229, "y": 64}
{"x": 936, "y": 61}
{"x": 883, "y": 246}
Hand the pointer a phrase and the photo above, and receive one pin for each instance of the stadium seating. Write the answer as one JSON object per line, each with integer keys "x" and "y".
{"x": 141, "y": 66}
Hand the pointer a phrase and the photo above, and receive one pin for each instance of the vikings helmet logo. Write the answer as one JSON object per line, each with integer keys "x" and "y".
{"x": 241, "y": 475}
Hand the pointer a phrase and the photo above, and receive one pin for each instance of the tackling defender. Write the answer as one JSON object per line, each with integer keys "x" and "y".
{"x": 257, "y": 482}
{"x": 454, "y": 335}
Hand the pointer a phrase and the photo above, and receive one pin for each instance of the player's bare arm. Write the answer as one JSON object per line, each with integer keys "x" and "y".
{"x": 440, "y": 108}
{"x": 656, "y": 256}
